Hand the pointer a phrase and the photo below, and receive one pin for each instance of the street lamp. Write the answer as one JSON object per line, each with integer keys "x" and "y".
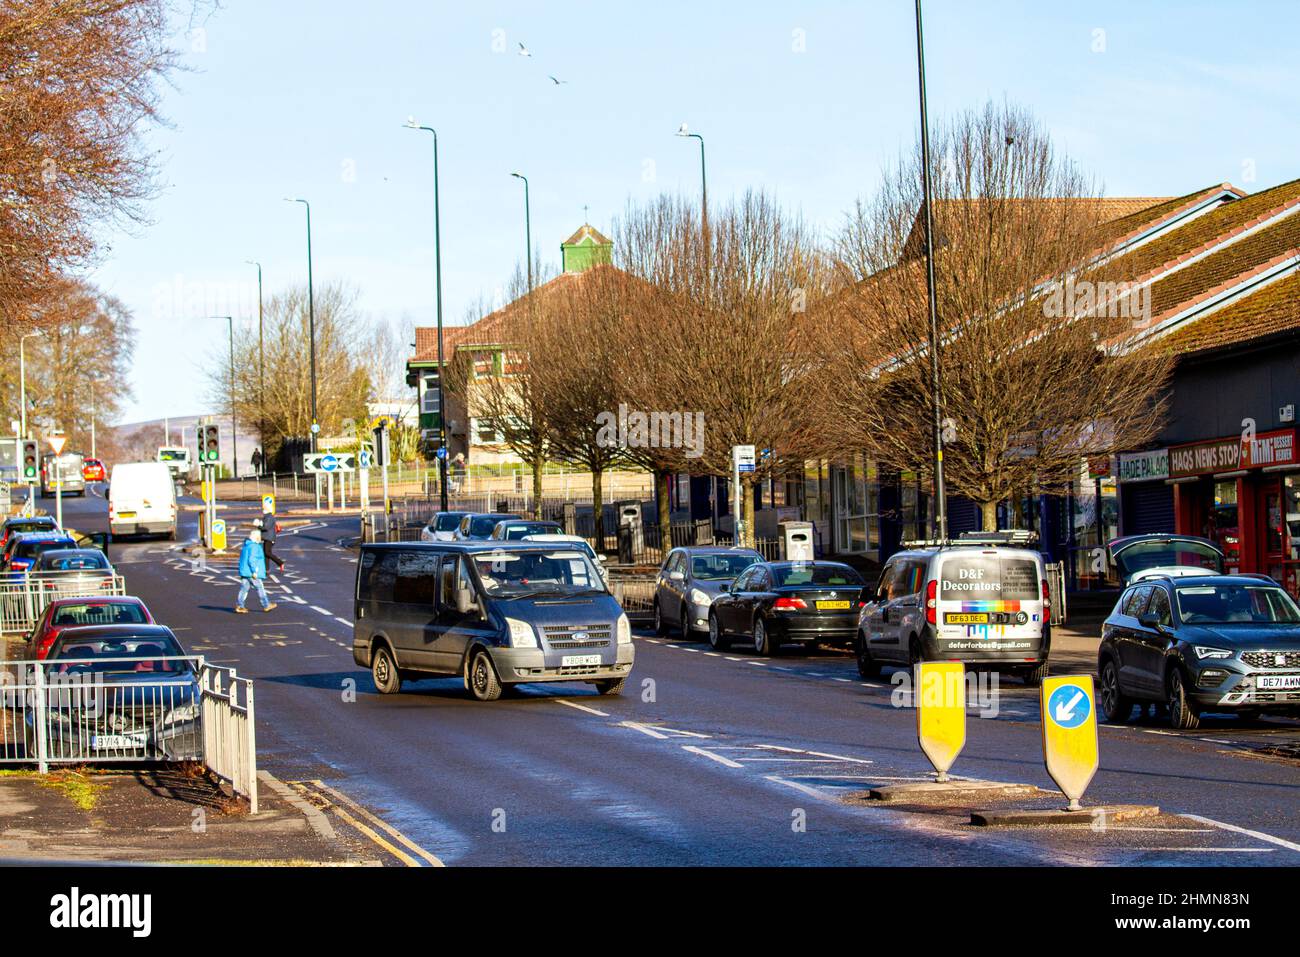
{"x": 311, "y": 322}
{"x": 234, "y": 435}
{"x": 261, "y": 364}
{"x": 940, "y": 498}
{"x": 437, "y": 280}
{"x": 22, "y": 381}
{"x": 528, "y": 229}
{"x": 683, "y": 130}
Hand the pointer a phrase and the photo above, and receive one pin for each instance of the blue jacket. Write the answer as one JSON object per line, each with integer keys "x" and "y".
{"x": 252, "y": 560}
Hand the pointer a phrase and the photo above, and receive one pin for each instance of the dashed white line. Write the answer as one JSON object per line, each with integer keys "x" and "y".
{"x": 644, "y": 729}
{"x": 711, "y": 756}
{"x": 581, "y": 707}
{"x": 342, "y": 620}
{"x": 323, "y": 611}
{"x": 1258, "y": 835}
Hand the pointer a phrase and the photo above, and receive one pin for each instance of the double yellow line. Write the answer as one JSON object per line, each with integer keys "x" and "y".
{"x": 363, "y": 821}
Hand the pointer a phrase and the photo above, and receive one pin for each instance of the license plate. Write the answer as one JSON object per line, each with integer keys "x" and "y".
{"x": 833, "y": 605}
{"x": 1278, "y": 682}
{"x": 126, "y": 514}
{"x": 118, "y": 742}
{"x": 966, "y": 618}
{"x": 569, "y": 661}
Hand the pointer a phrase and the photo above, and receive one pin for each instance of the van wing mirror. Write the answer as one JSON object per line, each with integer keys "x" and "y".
{"x": 676, "y": 575}
{"x": 465, "y": 602}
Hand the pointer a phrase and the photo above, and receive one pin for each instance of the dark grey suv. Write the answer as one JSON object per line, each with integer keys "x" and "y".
{"x": 1208, "y": 643}
{"x": 690, "y": 579}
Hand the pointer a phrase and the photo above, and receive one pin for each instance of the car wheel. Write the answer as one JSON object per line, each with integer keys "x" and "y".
{"x": 716, "y": 640}
{"x": 660, "y": 627}
{"x": 1115, "y": 705}
{"x": 764, "y": 643}
{"x": 383, "y": 669}
{"x": 610, "y": 686}
{"x": 1033, "y": 677}
{"x": 685, "y": 623}
{"x": 868, "y": 667}
{"x": 482, "y": 677}
{"x": 914, "y": 651}
{"x": 1181, "y": 713}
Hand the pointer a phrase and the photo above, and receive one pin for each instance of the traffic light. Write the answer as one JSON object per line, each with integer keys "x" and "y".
{"x": 31, "y": 459}
{"x": 381, "y": 446}
{"x": 209, "y": 444}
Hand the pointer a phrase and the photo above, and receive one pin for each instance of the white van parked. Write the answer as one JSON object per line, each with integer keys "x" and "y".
{"x": 142, "y": 500}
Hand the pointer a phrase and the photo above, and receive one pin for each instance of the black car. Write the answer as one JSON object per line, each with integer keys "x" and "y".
{"x": 478, "y": 526}
{"x": 772, "y": 603}
{"x": 1208, "y": 643}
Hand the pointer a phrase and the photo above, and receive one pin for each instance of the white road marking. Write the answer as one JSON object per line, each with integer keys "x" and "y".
{"x": 729, "y": 658}
{"x": 820, "y": 754}
{"x": 712, "y": 654}
{"x": 581, "y": 707}
{"x": 343, "y": 620}
{"x": 1258, "y": 835}
{"x": 323, "y": 611}
{"x": 645, "y": 730}
{"x": 1213, "y": 850}
{"x": 845, "y": 680}
{"x": 799, "y": 786}
{"x": 759, "y": 664}
{"x": 711, "y": 756}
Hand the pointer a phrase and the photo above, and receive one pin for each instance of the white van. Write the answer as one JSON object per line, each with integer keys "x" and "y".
{"x": 142, "y": 500}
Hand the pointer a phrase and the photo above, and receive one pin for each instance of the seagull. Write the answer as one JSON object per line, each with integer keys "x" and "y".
{"x": 556, "y": 81}
{"x": 683, "y": 130}
{"x": 523, "y": 50}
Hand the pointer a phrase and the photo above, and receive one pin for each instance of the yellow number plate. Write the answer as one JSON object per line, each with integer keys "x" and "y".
{"x": 833, "y": 605}
{"x": 967, "y": 618}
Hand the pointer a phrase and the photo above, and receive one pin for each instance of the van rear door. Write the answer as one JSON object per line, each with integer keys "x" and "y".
{"x": 989, "y": 600}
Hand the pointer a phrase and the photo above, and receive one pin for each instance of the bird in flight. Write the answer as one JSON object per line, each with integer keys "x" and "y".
{"x": 523, "y": 50}
{"x": 557, "y": 81}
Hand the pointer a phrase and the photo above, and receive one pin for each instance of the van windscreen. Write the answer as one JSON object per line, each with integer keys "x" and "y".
{"x": 980, "y": 576}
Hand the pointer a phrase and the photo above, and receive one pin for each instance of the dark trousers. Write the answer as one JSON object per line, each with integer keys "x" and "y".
{"x": 271, "y": 557}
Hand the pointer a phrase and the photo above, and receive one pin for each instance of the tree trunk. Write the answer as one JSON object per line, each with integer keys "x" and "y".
{"x": 988, "y": 516}
{"x": 538, "y": 464}
{"x": 598, "y": 509}
{"x": 747, "y": 511}
{"x": 665, "y": 511}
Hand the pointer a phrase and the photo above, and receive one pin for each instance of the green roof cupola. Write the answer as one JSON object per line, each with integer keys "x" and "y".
{"x": 584, "y": 249}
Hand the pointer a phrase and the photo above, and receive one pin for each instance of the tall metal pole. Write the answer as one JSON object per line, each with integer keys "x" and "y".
{"x": 437, "y": 274}
{"x": 234, "y": 435}
{"x": 940, "y": 497}
{"x": 528, "y": 229}
{"x": 704, "y": 179}
{"x": 261, "y": 367}
{"x": 311, "y": 325}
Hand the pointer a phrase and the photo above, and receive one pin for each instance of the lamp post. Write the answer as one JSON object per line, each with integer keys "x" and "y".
{"x": 234, "y": 434}
{"x": 528, "y": 229}
{"x": 437, "y": 282}
{"x": 940, "y": 498}
{"x": 311, "y": 323}
{"x": 261, "y": 365}
{"x": 22, "y": 380}
{"x": 683, "y": 130}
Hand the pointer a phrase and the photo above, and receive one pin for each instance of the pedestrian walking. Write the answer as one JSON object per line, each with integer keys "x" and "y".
{"x": 252, "y": 569}
{"x": 268, "y": 540}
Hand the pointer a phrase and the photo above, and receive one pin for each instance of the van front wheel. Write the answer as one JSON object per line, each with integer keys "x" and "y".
{"x": 483, "y": 683}
{"x": 383, "y": 669}
{"x": 610, "y": 686}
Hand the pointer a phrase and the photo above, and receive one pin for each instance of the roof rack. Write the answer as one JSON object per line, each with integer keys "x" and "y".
{"x": 1013, "y": 537}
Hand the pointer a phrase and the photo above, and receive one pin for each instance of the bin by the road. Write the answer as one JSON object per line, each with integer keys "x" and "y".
{"x": 796, "y": 541}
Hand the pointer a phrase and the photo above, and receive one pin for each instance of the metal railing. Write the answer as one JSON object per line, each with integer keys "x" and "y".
{"x": 169, "y": 709}
{"x": 23, "y": 600}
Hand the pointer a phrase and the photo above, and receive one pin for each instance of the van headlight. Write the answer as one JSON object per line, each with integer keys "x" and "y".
{"x": 624, "y": 630}
{"x": 521, "y": 634}
{"x": 700, "y": 598}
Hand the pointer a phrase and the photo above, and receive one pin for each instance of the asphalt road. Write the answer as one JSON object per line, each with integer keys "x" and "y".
{"x": 705, "y": 759}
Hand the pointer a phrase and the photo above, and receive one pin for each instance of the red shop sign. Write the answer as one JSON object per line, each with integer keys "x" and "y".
{"x": 1227, "y": 455}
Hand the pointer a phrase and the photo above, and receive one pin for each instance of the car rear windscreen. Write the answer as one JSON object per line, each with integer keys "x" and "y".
{"x": 98, "y": 613}
{"x": 817, "y": 575}
{"x": 980, "y": 576}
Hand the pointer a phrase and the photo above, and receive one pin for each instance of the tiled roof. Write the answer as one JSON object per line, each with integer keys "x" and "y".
{"x": 1273, "y": 309}
{"x": 588, "y": 231}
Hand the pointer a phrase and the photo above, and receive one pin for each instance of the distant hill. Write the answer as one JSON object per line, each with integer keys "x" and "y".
{"x": 139, "y": 441}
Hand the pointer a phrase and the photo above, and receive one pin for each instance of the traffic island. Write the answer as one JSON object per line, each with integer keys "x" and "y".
{"x": 963, "y": 792}
{"x": 1046, "y": 817}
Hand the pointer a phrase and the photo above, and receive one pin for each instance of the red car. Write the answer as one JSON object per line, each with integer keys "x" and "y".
{"x": 64, "y": 613}
{"x": 92, "y": 470}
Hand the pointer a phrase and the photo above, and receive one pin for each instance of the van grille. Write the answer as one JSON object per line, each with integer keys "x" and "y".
{"x": 594, "y": 633}
{"x": 578, "y": 644}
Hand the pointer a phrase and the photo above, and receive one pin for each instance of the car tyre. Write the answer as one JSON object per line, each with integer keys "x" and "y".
{"x": 481, "y": 679}
{"x": 1115, "y": 705}
{"x": 868, "y": 667}
{"x": 661, "y": 627}
{"x": 717, "y": 641}
{"x": 1033, "y": 677}
{"x": 685, "y": 623}
{"x": 610, "y": 686}
{"x": 383, "y": 669}
{"x": 764, "y": 643}
{"x": 914, "y": 656}
{"x": 1181, "y": 713}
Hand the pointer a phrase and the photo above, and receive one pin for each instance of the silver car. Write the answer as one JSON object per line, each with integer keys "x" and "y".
{"x": 688, "y": 581}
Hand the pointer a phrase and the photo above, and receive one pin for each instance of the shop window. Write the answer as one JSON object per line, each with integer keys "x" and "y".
{"x": 1224, "y": 523}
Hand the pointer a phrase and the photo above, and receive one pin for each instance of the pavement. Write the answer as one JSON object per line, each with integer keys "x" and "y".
{"x": 707, "y": 758}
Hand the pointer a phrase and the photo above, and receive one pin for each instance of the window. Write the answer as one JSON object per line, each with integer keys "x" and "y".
{"x": 1160, "y": 606}
{"x": 976, "y": 576}
{"x": 416, "y": 573}
{"x": 378, "y": 574}
{"x": 1236, "y": 603}
{"x": 1136, "y": 600}
{"x": 907, "y": 579}
{"x": 486, "y": 432}
{"x": 447, "y": 577}
{"x": 429, "y": 398}
{"x": 886, "y": 575}
{"x": 720, "y": 567}
{"x": 821, "y": 573}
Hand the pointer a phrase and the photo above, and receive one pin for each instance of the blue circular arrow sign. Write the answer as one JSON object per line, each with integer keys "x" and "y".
{"x": 1069, "y": 706}
{"x": 329, "y": 463}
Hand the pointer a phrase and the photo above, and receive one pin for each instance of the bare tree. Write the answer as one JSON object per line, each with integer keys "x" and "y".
{"x": 1028, "y": 388}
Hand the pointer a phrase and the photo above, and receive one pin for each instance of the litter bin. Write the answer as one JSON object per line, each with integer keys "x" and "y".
{"x": 796, "y": 541}
{"x": 629, "y": 518}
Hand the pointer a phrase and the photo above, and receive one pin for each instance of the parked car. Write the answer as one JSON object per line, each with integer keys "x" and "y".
{"x": 517, "y": 529}
{"x": 577, "y": 541}
{"x": 1219, "y": 643}
{"x": 65, "y": 469}
{"x": 442, "y": 527}
{"x": 497, "y": 614}
{"x": 80, "y": 568}
{"x": 690, "y": 579}
{"x": 63, "y": 613}
{"x": 978, "y": 602}
{"x": 93, "y": 471}
{"x": 1139, "y": 556}
{"x": 20, "y": 524}
{"x": 142, "y": 500}
{"x": 22, "y": 550}
{"x": 120, "y": 691}
{"x": 478, "y": 526}
{"x": 776, "y": 603}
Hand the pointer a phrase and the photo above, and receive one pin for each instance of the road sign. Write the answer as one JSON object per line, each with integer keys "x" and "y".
{"x": 5, "y": 499}
{"x": 329, "y": 462}
{"x": 1069, "y": 718}
{"x": 363, "y": 459}
{"x": 218, "y": 542}
{"x": 57, "y": 442}
{"x": 939, "y": 696}
{"x": 742, "y": 456}
{"x": 268, "y": 502}
{"x": 442, "y": 452}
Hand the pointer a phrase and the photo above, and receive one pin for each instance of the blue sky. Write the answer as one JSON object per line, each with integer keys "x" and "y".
{"x": 808, "y": 100}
